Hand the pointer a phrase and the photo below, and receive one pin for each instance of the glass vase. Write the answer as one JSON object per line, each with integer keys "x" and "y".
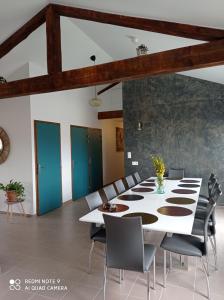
{"x": 160, "y": 185}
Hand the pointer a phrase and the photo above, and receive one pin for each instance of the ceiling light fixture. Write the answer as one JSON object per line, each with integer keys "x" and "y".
{"x": 2, "y": 80}
{"x": 95, "y": 101}
{"x": 142, "y": 50}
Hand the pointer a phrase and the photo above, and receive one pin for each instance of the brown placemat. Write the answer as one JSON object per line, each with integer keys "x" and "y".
{"x": 189, "y": 185}
{"x": 189, "y": 181}
{"x": 173, "y": 178}
{"x": 180, "y": 200}
{"x": 119, "y": 208}
{"x": 130, "y": 197}
{"x": 142, "y": 190}
{"x": 183, "y": 191}
{"x": 146, "y": 218}
{"x": 147, "y": 184}
{"x": 174, "y": 211}
{"x": 150, "y": 180}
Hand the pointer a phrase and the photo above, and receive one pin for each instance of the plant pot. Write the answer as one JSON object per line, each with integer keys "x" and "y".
{"x": 11, "y": 196}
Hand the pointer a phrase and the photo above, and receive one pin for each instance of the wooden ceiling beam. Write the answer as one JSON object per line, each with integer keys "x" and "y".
{"x": 177, "y": 60}
{"x": 113, "y": 114}
{"x": 53, "y": 32}
{"x": 23, "y": 32}
{"x": 110, "y": 86}
{"x": 159, "y": 26}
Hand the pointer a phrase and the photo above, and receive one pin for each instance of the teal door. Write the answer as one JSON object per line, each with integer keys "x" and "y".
{"x": 80, "y": 162}
{"x": 95, "y": 159}
{"x": 48, "y": 166}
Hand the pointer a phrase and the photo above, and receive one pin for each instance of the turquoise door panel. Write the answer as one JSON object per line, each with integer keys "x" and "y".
{"x": 95, "y": 153}
{"x": 49, "y": 166}
{"x": 80, "y": 162}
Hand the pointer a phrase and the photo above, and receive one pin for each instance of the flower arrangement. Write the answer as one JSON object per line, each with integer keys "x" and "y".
{"x": 158, "y": 165}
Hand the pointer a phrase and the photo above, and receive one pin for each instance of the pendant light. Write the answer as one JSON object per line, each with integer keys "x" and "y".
{"x": 95, "y": 101}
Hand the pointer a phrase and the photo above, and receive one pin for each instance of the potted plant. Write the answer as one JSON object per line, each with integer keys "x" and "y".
{"x": 13, "y": 189}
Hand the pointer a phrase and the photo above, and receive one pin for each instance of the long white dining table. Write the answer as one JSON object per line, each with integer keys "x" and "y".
{"x": 153, "y": 202}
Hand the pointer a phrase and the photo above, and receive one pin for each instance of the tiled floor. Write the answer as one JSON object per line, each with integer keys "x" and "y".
{"x": 56, "y": 246}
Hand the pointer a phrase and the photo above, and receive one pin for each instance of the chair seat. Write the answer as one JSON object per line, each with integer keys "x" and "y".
{"x": 184, "y": 245}
{"x": 99, "y": 236}
{"x": 198, "y": 228}
{"x": 150, "y": 252}
{"x": 203, "y": 198}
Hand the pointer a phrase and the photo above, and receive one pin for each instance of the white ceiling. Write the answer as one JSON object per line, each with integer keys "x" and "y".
{"x": 114, "y": 39}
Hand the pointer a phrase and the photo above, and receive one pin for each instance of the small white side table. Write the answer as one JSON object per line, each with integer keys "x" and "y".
{"x": 10, "y": 207}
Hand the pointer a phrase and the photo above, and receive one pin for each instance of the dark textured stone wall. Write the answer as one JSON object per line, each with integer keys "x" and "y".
{"x": 183, "y": 120}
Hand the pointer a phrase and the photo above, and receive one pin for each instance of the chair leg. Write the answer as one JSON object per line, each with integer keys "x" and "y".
{"x": 90, "y": 256}
{"x": 164, "y": 268}
{"x": 105, "y": 281}
{"x": 171, "y": 263}
{"x": 154, "y": 273}
{"x": 120, "y": 276}
{"x": 207, "y": 263}
{"x": 206, "y": 275}
{"x": 214, "y": 252}
{"x": 148, "y": 285}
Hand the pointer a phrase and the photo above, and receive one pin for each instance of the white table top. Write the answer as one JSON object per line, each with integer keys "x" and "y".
{"x": 151, "y": 202}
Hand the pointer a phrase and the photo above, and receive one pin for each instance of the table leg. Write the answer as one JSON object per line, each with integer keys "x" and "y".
{"x": 24, "y": 214}
{"x": 8, "y": 212}
{"x": 11, "y": 212}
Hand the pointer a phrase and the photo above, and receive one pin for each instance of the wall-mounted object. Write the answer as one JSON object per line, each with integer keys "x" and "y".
{"x": 142, "y": 50}
{"x": 2, "y": 80}
{"x": 139, "y": 126}
{"x": 119, "y": 139}
{"x": 4, "y": 145}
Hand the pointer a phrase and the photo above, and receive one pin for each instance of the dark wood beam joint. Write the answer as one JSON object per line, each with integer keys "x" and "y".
{"x": 53, "y": 31}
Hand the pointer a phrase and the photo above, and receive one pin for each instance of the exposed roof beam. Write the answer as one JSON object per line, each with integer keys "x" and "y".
{"x": 113, "y": 114}
{"x": 181, "y": 59}
{"x": 23, "y": 32}
{"x": 171, "y": 28}
{"x": 53, "y": 32}
{"x": 110, "y": 86}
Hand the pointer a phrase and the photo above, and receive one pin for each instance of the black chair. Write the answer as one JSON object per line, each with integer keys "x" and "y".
{"x": 198, "y": 226}
{"x": 125, "y": 248}
{"x": 97, "y": 234}
{"x": 120, "y": 186}
{"x": 130, "y": 181}
{"x": 190, "y": 245}
{"x": 137, "y": 177}
{"x": 110, "y": 192}
{"x": 176, "y": 173}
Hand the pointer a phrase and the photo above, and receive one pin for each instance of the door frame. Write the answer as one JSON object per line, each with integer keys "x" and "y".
{"x": 36, "y": 162}
{"x": 79, "y": 126}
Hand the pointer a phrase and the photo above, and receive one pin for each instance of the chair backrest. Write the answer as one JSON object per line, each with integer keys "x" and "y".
{"x": 209, "y": 211}
{"x": 176, "y": 173}
{"x": 110, "y": 192}
{"x": 124, "y": 243}
{"x": 130, "y": 181}
{"x": 216, "y": 193}
{"x": 93, "y": 200}
{"x": 137, "y": 177}
{"x": 211, "y": 184}
{"x": 119, "y": 186}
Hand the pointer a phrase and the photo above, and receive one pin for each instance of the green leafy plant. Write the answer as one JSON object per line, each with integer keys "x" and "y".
{"x": 13, "y": 186}
{"x": 158, "y": 165}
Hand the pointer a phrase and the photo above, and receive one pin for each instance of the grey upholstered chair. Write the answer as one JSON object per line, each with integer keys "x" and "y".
{"x": 137, "y": 177}
{"x": 125, "y": 249}
{"x": 198, "y": 226}
{"x": 110, "y": 192}
{"x": 190, "y": 245}
{"x": 130, "y": 181}
{"x": 211, "y": 184}
{"x": 176, "y": 173}
{"x": 97, "y": 234}
{"x": 120, "y": 186}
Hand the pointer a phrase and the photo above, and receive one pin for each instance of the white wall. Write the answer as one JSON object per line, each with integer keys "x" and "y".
{"x": 15, "y": 119}
{"x": 113, "y": 161}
